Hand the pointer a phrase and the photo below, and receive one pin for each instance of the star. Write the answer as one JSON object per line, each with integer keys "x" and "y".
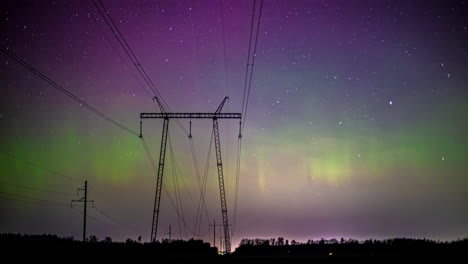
{"x": 390, "y": 102}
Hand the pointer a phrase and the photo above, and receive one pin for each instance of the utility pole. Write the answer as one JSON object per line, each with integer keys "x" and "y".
{"x": 85, "y": 201}
{"x": 221, "y": 242}
{"x": 162, "y": 156}
{"x": 170, "y": 233}
{"x": 214, "y": 225}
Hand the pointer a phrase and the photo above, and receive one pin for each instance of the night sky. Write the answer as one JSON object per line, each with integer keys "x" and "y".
{"x": 356, "y": 125}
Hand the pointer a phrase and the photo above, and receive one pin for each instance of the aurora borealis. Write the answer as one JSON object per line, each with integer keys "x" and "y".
{"x": 356, "y": 126}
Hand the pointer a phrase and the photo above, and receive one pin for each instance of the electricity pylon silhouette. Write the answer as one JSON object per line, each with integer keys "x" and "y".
{"x": 166, "y": 116}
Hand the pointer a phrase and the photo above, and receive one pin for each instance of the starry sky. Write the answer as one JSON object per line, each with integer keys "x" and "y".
{"x": 356, "y": 125}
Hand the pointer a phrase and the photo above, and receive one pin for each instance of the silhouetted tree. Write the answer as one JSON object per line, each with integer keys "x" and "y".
{"x": 272, "y": 241}
{"x": 246, "y": 242}
{"x": 280, "y": 241}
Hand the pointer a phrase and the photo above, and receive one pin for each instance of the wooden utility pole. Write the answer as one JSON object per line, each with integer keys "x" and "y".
{"x": 85, "y": 201}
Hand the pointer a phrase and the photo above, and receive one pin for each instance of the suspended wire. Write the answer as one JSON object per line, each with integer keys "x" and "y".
{"x": 153, "y": 164}
{"x": 95, "y": 20}
{"x": 29, "y": 163}
{"x": 248, "y": 57}
{"x": 227, "y": 92}
{"x": 88, "y": 216}
{"x": 126, "y": 47}
{"x": 37, "y": 189}
{"x": 201, "y": 202}
{"x": 32, "y": 199}
{"x": 224, "y": 47}
{"x": 239, "y": 141}
{"x": 194, "y": 158}
{"x": 245, "y": 99}
{"x": 195, "y": 162}
{"x": 112, "y": 219}
{"x": 123, "y": 42}
{"x": 190, "y": 193}
{"x": 252, "y": 65}
{"x": 176, "y": 187}
{"x": 197, "y": 171}
{"x": 236, "y": 191}
{"x": 7, "y": 52}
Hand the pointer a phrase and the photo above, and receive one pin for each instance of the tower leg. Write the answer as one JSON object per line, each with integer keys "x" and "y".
{"x": 157, "y": 198}
{"x": 227, "y": 237}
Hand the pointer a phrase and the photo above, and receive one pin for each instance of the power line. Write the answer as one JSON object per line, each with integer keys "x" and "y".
{"x": 153, "y": 165}
{"x": 95, "y": 20}
{"x": 11, "y": 156}
{"x": 37, "y": 189}
{"x": 32, "y": 199}
{"x": 178, "y": 199}
{"x": 245, "y": 98}
{"x": 123, "y": 43}
{"x": 227, "y": 91}
{"x": 109, "y": 217}
{"x": 252, "y": 65}
{"x": 7, "y": 52}
{"x": 224, "y": 48}
{"x": 197, "y": 171}
{"x": 177, "y": 168}
{"x": 201, "y": 202}
{"x": 248, "y": 57}
{"x": 236, "y": 191}
{"x": 126, "y": 47}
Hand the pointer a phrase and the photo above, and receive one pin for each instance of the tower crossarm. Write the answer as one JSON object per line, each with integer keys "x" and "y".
{"x": 192, "y": 115}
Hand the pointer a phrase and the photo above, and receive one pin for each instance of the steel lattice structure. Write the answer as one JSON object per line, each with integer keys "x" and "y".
{"x": 219, "y": 164}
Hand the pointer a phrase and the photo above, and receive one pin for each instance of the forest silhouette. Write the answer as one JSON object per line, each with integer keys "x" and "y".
{"x": 16, "y": 247}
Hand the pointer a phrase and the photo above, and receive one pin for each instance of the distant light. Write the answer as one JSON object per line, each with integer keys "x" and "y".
{"x": 330, "y": 254}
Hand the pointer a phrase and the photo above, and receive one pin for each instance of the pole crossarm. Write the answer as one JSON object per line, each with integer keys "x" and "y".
{"x": 192, "y": 115}
{"x": 85, "y": 201}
